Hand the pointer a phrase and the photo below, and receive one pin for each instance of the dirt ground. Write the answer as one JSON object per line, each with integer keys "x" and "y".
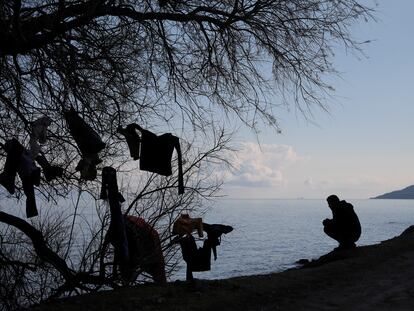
{"x": 377, "y": 277}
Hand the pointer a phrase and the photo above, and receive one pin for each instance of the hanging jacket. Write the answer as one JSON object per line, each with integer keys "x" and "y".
{"x": 144, "y": 249}
{"x": 117, "y": 231}
{"x": 85, "y": 136}
{"x": 214, "y": 232}
{"x": 156, "y": 154}
{"x": 8, "y": 177}
{"x": 186, "y": 225}
{"x": 38, "y": 135}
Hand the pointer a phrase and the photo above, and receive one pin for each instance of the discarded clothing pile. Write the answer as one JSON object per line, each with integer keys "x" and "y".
{"x": 198, "y": 259}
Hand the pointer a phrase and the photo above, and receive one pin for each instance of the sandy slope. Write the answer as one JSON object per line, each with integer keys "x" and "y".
{"x": 377, "y": 277}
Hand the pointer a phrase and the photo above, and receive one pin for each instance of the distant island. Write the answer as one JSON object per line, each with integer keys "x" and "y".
{"x": 404, "y": 194}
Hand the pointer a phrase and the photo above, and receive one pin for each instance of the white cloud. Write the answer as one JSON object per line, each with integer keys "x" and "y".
{"x": 260, "y": 165}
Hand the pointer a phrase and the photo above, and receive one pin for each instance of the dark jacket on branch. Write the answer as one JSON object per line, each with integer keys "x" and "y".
{"x": 155, "y": 152}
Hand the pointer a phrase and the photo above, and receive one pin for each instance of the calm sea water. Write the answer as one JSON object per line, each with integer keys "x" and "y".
{"x": 271, "y": 235}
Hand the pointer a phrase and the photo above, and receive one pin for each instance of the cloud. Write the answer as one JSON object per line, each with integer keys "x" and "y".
{"x": 260, "y": 165}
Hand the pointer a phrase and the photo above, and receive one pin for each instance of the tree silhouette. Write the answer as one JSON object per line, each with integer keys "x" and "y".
{"x": 174, "y": 65}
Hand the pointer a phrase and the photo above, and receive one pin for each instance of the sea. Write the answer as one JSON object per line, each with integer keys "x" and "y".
{"x": 272, "y": 235}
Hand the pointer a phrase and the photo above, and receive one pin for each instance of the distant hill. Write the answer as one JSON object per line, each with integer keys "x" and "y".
{"x": 406, "y": 194}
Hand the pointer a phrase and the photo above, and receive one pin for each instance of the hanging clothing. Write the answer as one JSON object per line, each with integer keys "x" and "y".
{"x": 38, "y": 135}
{"x": 214, "y": 232}
{"x": 186, "y": 225}
{"x": 109, "y": 184}
{"x": 156, "y": 154}
{"x": 132, "y": 138}
{"x": 14, "y": 151}
{"x": 87, "y": 169}
{"x": 85, "y": 136}
{"x": 19, "y": 161}
{"x": 144, "y": 249}
{"x": 116, "y": 231}
{"x": 89, "y": 143}
{"x": 30, "y": 175}
{"x": 197, "y": 259}
{"x": 51, "y": 172}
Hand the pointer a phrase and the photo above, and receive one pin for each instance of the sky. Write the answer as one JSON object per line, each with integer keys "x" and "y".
{"x": 363, "y": 147}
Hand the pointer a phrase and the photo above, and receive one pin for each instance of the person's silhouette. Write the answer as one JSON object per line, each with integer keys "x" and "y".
{"x": 344, "y": 226}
